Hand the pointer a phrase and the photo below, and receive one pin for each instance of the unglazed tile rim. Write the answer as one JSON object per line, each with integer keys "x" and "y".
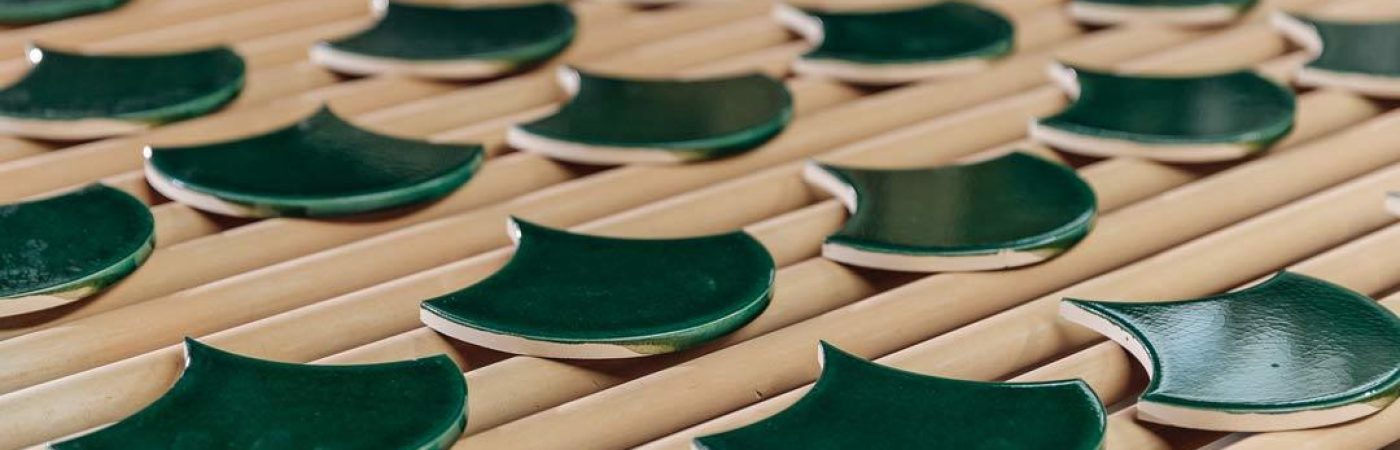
{"x": 367, "y": 65}
{"x": 1112, "y": 14}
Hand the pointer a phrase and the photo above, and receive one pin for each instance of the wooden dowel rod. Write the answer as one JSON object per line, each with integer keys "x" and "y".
{"x": 1369, "y": 433}
{"x": 86, "y": 163}
{"x": 725, "y": 380}
{"x": 512, "y": 389}
{"x": 132, "y": 18}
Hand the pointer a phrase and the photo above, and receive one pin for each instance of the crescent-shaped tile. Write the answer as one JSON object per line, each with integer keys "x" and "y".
{"x": 1010, "y": 211}
{"x": 1186, "y": 13}
{"x": 860, "y": 404}
{"x": 229, "y": 401}
{"x": 21, "y": 12}
{"x": 1347, "y": 55}
{"x": 321, "y": 165}
{"x": 620, "y": 120}
{"x": 1292, "y": 352}
{"x": 568, "y": 295}
{"x": 899, "y": 45}
{"x": 73, "y": 96}
{"x": 1171, "y": 118}
{"x": 451, "y": 41}
{"x": 60, "y": 249}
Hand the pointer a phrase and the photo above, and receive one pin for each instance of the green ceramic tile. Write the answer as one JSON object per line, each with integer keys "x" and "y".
{"x": 1292, "y": 352}
{"x": 320, "y": 166}
{"x": 63, "y": 248}
{"x": 1202, "y": 118}
{"x": 859, "y": 404}
{"x": 145, "y": 88}
{"x": 900, "y": 45}
{"x": 615, "y": 120}
{"x": 1175, "y": 12}
{"x": 228, "y": 401}
{"x": 1359, "y": 56}
{"x": 1010, "y": 211}
{"x": 580, "y": 296}
{"x": 30, "y": 11}
{"x": 453, "y": 41}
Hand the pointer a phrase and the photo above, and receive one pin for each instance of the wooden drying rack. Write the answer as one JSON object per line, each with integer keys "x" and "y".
{"x": 347, "y": 291}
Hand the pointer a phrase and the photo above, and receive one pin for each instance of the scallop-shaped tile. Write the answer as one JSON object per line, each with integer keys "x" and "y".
{"x": 860, "y": 404}
{"x": 320, "y": 166}
{"x": 1170, "y": 12}
{"x": 901, "y": 45}
{"x": 617, "y": 120}
{"x": 579, "y": 296}
{"x": 30, "y": 11}
{"x": 70, "y": 96}
{"x": 451, "y": 41}
{"x": 1188, "y": 119}
{"x": 1363, "y": 57}
{"x": 229, "y": 401}
{"x": 1293, "y": 352}
{"x": 60, "y": 249}
{"x": 1011, "y": 211}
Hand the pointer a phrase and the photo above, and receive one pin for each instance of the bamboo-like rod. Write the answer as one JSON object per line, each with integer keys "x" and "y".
{"x": 166, "y": 271}
{"x": 490, "y": 226}
{"x": 89, "y": 162}
{"x": 727, "y": 379}
{"x": 134, "y": 17}
{"x": 90, "y": 414}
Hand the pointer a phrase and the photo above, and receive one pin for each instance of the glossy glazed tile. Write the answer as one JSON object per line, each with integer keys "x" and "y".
{"x": 60, "y": 249}
{"x": 444, "y": 41}
{"x": 30, "y": 11}
{"x": 1011, "y": 211}
{"x": 860, "y": 404}
{"x": 228, "y": 401}
{"x": 1169, "y": 12}
{"x": 1359, "y": 56}
{"x": 320, "y": 166}
{"x": 900, "y": 45}
{"x": 1292, "y": 352}
{"x": 580, "y": 296}
{"x": 1204, "y": 118}
{"x": 615, "y": 120}
{"x": 70, "y": 95}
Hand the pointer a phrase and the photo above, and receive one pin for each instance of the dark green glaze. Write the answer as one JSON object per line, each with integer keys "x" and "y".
{"x": 146, "y": 88}
{"x": 72, "y": 245}
{"x": 1242, "y": 5}
{"x": 30, "y": 11}
{"x": 647, "y": 295}
{"x": 228, "y": 401}
{"x": 519, "y": 34}
{"x": 320, "y": 166}
{"x": 858, "y": 404}
{"x": 1229, "y": 108}
{"x": 938, "y": 32}
{"x": 1292, "y": 343}
{"x": 1364, "y": 48}
{"x": 1016, "y": 202}
{"x": 697, "y": 119}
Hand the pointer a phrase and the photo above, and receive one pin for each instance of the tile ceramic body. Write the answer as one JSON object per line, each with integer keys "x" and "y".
{"x": 902, "y": 45}
{"x": 1392, "y": 202}
{"x": 320, "y": 166}
{"x": 1292, "y": 352}
{"x": 1171, "y": 12}
{"x": 1012, "y": 211}
{"x": 228, "y": 401}
{"x": 1188, "y": 119}
{"x": 613, "y": 120}
{"x": 30, "y": 11}
{"x": 75, "y": 96}
{"x": 579, "y": 296}
{"x": 1363, "y": 57}
{"x": 453, "y": 42}
{"x": 860, "y": 404}
{"x": 60, "y": 249}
